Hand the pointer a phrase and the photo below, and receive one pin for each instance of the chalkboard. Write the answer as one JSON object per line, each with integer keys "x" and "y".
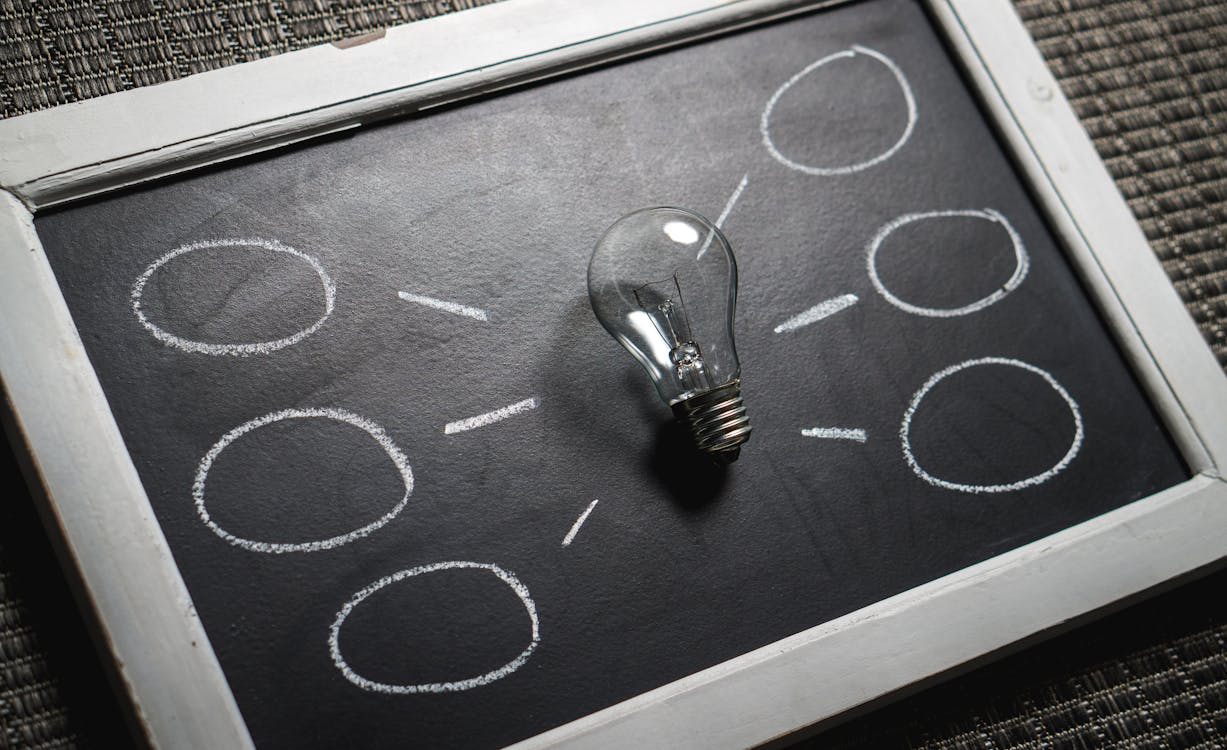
{"x": 420, "y": 498}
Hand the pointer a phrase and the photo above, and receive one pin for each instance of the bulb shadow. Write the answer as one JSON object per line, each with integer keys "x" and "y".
{"x": 594, "y": 395}
{"x": 693, "y": 480}
{"x": 604, "y": 408}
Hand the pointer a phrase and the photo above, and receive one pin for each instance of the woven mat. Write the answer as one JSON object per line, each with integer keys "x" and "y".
{"x": 1153, "y": 676}
{"x": 1148, "y": 78}
{"x": 67, "y": 50}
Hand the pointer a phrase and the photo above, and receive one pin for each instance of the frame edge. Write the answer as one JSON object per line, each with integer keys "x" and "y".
{"x": 76, "y": 416}
{"x": 889, "y": 646}
{"x": 143, "y": 610}
{"x": 1081, "y": 200}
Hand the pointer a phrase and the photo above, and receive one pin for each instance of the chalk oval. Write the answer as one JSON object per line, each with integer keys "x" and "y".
{"x": 1021, "y": 261}
{"x": 231, "y": 349}
{"x": 909, "y": 124}
{"x": 465, "y": 683}
{"x": 905, "y": 429}
{"x": 375, "y": 431}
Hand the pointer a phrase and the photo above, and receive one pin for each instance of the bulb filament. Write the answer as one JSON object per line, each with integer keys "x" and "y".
{"x": 662, "y": 301}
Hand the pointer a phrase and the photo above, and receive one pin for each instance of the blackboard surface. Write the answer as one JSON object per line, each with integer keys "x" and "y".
{"x": 1020, "y": 416}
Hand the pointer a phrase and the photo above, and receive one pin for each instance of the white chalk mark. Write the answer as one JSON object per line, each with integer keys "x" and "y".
{"x": 398, "y": 460}
{"x": 334, "y": 634}
{"x": 728, "y": 208}
{"x": 905, "y": 429}
{"x": 239, "y": 350}
{"x": 818, "y": 312}
{"x": 1021, "y": 262}
{"x": 481, "y": 420}
{"x": 836, "y": 433}
{"x": 908, "y": 98}
{"x": 570, "y": 537}
{"x": 451, "y": 307}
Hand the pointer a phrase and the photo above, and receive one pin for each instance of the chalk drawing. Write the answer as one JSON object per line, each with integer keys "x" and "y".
{"x": 520, "y": 590}
{"x": 398, "y": 460}
{"x": 570, "y": 537}
{"x": 856, "y": 49}
{"x": 1021, "y": 262}
{"x": 451, "y": 307}
{"x": 836, "y": 433}
{"x": 728, "y": 208}
{"x": 818, "y": 312}
{"x": 481, "y": 420}
{"x": 1075, "y": 445}
{"x": 238, "y": 350}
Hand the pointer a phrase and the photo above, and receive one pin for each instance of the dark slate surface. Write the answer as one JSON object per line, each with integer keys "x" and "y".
{"x": 496, "y": 205}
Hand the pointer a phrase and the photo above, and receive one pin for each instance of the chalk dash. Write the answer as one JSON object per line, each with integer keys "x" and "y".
{"x": 570, "y": 537}
{"x": 490, "y": 417}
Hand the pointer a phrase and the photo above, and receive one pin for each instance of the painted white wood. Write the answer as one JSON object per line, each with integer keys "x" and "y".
{"x": 146, "y": 617}
{"x": 1108, "y": 247}
{"x": 87, "y": 147}
{"x": 98, "y": 145}
{"x": 827, "y": 670}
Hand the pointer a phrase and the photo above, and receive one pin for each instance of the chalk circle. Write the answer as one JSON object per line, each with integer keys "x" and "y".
{"x": 1021, "y": 262}
{"x": 434, "y": 687}
{"x": 375, "y": 431}
{"x": 237, "y": 350}
{"x": 1031, "y": 481}
{"x": 847, "y": 54}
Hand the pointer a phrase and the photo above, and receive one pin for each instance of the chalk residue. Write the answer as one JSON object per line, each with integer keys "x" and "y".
{"x": 398, "y": 460}
{"x": 481, "y": 420}
{"x": 334, "y": 634}
{"x": 451, "y": 307}
{"x": 818, "y": 312}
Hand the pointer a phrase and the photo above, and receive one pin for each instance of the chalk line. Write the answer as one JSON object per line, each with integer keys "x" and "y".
{"x": 481, "y": 420}
{"x": 238, "y": 350}
{"x": 908, "y": 98}
{"x": 398, "y": 460}
{"x": 818, "y": 312}
{"x": 905, "y": 428}
{"x": 836, "y": 433}
{"x": 570, "y": 537}
{"x": 334, "y": 633}
{"x": 1021, "y": 262}
{"x": 728, "y": 208}
{"x": 444, "y": 305}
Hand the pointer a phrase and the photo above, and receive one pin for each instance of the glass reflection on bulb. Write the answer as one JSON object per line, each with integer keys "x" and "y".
{"x": 663, "y": 282}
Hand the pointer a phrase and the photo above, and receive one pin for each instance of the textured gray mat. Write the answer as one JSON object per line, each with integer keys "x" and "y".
{"x": 1148, "y": 78}
{"x": 67, "y": 50}
{"x": 1153, "y": 676}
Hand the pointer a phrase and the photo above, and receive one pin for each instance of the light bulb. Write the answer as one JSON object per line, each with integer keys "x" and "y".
{"x": 663, "y": 282}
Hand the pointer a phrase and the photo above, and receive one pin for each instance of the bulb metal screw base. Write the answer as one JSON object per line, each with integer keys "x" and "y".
{"x": 717, "y": 421}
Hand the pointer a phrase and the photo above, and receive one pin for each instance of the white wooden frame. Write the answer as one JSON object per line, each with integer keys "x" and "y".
{"x": 99, "y": 509}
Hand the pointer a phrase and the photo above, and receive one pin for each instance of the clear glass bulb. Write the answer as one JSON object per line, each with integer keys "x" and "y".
{"x": 663, "y": 282}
